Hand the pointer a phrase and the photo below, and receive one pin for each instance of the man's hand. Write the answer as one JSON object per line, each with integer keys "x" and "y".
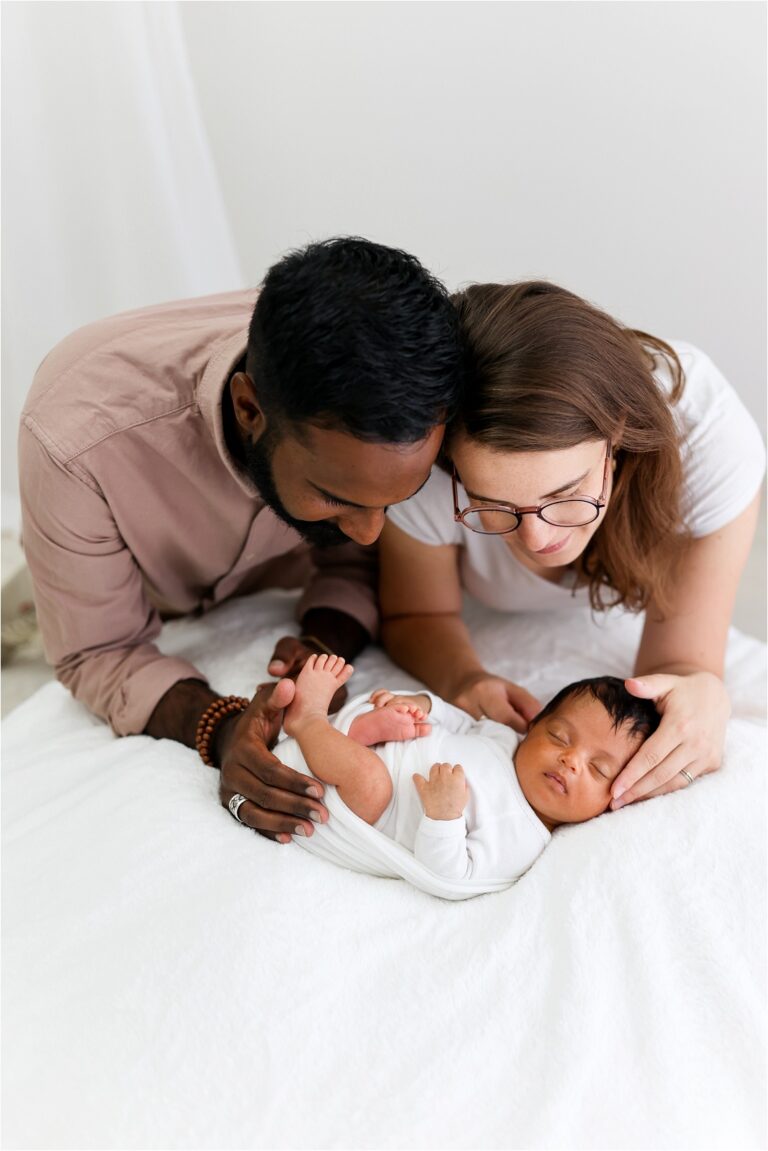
{"x": 444, "y": 794}
{"x": 288, "y": 659}
{"x": 281, "y": 802}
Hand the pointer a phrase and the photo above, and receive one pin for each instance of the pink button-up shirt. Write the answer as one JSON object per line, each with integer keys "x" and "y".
{"x": 133, "y": 506}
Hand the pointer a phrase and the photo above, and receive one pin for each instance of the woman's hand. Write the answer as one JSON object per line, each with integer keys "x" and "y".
{"x": 694, "y": 712}
{"x": 482, "y": 694}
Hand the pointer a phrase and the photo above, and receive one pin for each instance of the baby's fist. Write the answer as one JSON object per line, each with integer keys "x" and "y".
{"x": 444, "y": 794}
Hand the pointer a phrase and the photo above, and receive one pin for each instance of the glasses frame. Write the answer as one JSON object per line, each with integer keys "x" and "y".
{"x": 502, "y": 506}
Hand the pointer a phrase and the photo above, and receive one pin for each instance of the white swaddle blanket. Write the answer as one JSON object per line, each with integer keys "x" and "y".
{"x": 175, "y": 981}
{"x": 484, "y": 748}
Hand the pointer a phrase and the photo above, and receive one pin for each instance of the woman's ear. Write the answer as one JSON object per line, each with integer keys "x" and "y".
{"x": 249, "y": 414}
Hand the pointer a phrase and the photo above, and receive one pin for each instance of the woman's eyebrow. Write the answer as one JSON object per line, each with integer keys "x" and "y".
{"x": 548, "y": 496}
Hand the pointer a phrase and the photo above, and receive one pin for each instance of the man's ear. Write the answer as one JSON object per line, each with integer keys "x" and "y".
{"x": 249, "y": 414}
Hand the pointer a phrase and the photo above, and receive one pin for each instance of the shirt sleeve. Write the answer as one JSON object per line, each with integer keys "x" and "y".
{"x": 95, "y": 620}
{"x": 345, "y": 579}
{"x": 441, "y": 845}
{"x": 723, "y": 451}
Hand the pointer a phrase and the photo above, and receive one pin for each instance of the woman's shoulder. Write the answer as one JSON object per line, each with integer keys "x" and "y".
{"x": 723, "y": 450}
{"x": 706, "y": 393}
{"x": 428, "y": 516}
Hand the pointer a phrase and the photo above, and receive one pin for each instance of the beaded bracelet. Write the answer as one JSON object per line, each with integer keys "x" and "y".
{"x": 211, "y": 718}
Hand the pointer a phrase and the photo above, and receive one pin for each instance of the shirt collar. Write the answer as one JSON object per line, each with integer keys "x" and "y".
{"x": 210, "y": 390}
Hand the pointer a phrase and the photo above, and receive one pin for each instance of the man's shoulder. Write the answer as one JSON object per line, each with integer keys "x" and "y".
{"x": 126, "y": 370}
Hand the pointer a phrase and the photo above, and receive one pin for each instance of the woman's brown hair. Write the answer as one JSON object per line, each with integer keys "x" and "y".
{"x": 547, "y": 371}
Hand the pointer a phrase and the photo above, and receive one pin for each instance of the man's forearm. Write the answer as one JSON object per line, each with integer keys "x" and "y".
{"x": 178, "y": 713}
{"x": 339, "y": 632}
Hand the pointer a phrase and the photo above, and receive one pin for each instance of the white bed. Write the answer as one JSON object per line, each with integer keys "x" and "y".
{"x": 171, "y": 980}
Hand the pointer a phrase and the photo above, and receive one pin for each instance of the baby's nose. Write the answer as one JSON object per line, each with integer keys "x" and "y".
{"x": 569, "y": 759}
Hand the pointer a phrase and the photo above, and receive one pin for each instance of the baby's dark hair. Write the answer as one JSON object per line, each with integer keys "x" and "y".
{"x": 617, "y": 701}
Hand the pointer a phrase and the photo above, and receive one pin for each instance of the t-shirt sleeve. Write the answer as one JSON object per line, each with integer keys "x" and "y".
{"x": 428, "y": 516}
{"x": 723, "y": 451}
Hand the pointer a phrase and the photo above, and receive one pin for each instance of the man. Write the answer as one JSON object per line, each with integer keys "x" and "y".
{"x": 175, "y": 456}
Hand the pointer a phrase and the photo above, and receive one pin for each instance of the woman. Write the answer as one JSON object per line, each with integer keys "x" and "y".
{"x": 591, "y": 464}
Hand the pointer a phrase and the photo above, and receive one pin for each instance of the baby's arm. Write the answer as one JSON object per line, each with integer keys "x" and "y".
{"x": 441, "y": 838}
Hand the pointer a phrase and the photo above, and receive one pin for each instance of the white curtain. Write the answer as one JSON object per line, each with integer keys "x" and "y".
{"x": 110, "y": 197}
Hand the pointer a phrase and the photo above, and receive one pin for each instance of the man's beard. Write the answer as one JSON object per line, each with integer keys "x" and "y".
{"x": 258, "y": 465}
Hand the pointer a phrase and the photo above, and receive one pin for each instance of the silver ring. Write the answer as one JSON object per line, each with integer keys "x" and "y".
{"x": 687, "y": 775}
{"x": 234, "y": 805}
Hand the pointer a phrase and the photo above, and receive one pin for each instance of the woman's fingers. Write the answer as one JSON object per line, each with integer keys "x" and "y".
{"x": 694, "y": 711}
{"x": 526, "y": 705}
{"x": 495, "y": 698}
{"x": 675, "y": 784}
{"x": 652, "y": 686}
{"x": 651, "y": 770}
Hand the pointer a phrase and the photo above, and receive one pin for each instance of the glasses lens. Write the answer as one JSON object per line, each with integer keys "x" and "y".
{"x": 489, "y": 522}
{"x": 570, "y": 513}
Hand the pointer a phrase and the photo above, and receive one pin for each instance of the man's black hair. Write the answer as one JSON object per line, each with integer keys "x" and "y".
{"x": 357, "y": 336}
{"x": 621, "y": 706}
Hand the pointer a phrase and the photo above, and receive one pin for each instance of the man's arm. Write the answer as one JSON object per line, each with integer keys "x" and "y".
{"x": 98, "y": 628}
{"x": 96, "y": 623}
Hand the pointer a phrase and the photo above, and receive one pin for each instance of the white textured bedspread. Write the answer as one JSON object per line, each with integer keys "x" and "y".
{"x": 171, "y": 980}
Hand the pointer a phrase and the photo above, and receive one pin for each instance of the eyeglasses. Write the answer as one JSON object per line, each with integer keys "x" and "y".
{"x": 500, "y": 518}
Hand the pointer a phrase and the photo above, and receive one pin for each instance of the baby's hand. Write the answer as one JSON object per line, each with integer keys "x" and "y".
{"x": 383, "y": 698}
{"x": 444, "y": 794}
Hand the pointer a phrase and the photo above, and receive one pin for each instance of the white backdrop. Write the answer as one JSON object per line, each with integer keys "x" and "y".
{"x": 618, "y": 148}
{"x": 110, "y": 197}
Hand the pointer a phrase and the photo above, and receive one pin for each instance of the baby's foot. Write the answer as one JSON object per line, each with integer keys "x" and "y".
{"x": 398, "y": 721}
{"x": 316, "y": 684}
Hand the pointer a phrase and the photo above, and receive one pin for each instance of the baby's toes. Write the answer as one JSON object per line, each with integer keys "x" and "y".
{"x": 344, "y": 671}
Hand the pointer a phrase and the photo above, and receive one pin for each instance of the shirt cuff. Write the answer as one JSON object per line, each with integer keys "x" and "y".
{"x": 140, "y": 694}
{"x": 443, "y": 828}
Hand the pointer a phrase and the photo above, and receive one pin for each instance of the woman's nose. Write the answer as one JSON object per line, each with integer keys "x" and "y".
{"x": 364, "y": 527}
{"x": 535, "y": 534}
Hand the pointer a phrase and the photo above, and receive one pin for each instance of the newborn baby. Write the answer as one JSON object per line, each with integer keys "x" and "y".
{"x": 469, "y": 798}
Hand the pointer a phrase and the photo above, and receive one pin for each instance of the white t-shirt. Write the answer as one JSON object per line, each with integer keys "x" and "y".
{"x": 723, "y": 460}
